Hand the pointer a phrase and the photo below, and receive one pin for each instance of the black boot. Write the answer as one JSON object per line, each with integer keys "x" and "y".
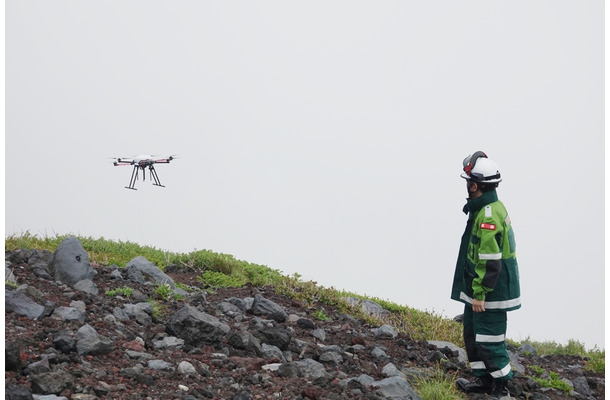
{"x": 482, "y": 384}
{"x": 500, "y": 389}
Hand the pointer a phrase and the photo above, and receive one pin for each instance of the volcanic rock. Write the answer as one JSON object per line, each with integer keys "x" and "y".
{"x": 196, "y": 327}
{"x": 70, "y": 262}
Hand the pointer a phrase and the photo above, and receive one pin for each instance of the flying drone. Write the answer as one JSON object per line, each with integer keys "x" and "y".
{"x": 141, "y": 163}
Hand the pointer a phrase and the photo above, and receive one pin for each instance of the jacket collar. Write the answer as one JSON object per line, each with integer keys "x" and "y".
{"x": 475, "y": 205}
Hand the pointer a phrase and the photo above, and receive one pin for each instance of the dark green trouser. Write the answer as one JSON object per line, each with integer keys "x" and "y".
{"x": 484, "y": 335}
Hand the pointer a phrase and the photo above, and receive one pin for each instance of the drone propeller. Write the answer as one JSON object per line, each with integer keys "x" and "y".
{"x": 120, "y": 158}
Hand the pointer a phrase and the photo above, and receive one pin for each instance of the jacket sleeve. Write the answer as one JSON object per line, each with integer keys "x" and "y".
{"x": 489, "y": 258}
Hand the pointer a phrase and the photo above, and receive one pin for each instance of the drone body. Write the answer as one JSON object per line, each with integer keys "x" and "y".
{"x": 141, "y": 162}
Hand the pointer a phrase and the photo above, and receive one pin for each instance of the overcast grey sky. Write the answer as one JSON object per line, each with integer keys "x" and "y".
{"x": 321, "y": 138}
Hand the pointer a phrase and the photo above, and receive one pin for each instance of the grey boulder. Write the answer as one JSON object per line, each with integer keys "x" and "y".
{"x": 307, "y": 368}
{"x": 462, "y": 357}
{"x": 262, "y": 306}
{"x": 87, "y": 286}
{"x": 21, "y": 304}
{"x": 141, "y": 267}
{"x": 68, "y": 314}
{"x": 369, "y": 307}
{"x": 396, "y": 387}
{"x": 12, "y": 357}
{"x": 88, "y": 341}
{"x": 196, "y": 327}
{"x": 52, "y": 382}
{"x": 70, "y": 262}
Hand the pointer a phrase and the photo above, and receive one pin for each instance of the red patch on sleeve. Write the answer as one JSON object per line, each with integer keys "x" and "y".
{"x": 491, "y": 227}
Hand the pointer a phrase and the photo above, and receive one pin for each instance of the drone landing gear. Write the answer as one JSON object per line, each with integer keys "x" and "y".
{"x": 154, "y": 176}
{"x": 134, "y": 177}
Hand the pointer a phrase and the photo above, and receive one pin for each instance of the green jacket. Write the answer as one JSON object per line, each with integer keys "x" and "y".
{"x": 486, "y": 268}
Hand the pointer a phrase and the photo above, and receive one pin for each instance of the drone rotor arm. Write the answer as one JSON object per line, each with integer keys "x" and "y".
{"x": 166, "y": 160}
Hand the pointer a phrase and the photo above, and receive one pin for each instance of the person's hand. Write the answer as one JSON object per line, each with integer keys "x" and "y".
{"x": 478, "y": 305}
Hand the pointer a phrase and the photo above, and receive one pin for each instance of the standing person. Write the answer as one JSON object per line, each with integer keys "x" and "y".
{"x": 486, "y": 279}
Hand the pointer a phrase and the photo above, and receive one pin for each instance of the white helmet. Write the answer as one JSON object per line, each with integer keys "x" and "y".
{"x": 479, "y": 168}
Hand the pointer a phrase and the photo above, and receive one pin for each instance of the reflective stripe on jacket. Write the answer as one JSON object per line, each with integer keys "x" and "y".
{"x": 487, "y": 268}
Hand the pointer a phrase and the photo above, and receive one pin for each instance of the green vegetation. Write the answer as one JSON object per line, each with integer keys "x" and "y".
{"x": 215, "y": 280}
{"x": 595, "y": 359}
{"x": 549, "y": 380}
{"x": 11, "y": 284}
{"x": 438, "y": 386}
{"x": 321, "y": 315}
{"x": 125, "y": 291}
{"x": 165, "y": 292}
{"x": 183, "y": 287}
{"x": 158, "y": 308}
{"x": 423, "y": 324}
{"x": 240, "y": 272}
{"x": 222, "y": 270}
{"x": 550, "y": 347}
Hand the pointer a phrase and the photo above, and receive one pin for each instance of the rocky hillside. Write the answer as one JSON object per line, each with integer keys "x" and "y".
{"x": 76, "y": 330}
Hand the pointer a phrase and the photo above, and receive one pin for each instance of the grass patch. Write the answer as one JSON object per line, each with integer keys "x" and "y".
{"x": 125, "y": 291}
{"x": 423, "y": 324}
{"x": 549, "y": 380}
{"x": 438, "y": 386}
{"x": 183, "y": 287}
{"x": 595, "y": 359}
{"x": 216, "y": 280}
{"x": 165, "y": 292}
{"x": 321, "y": 315}
{"x": 241, "y": 272}
{"x": 158, "y": 309}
